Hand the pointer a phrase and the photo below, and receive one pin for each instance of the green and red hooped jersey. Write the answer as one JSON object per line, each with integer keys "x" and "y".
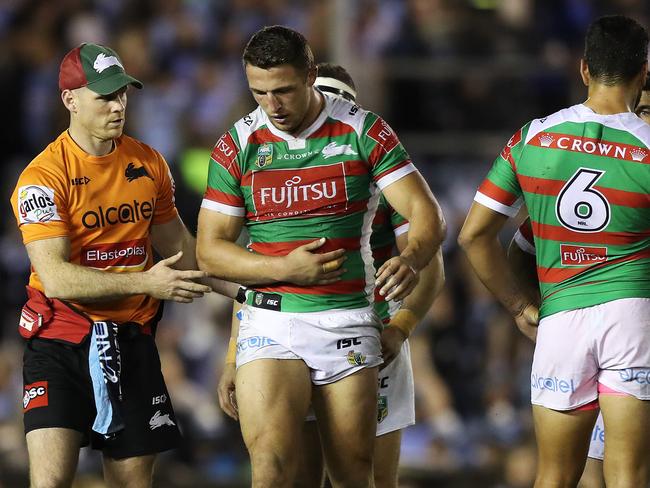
{"x": 524, "y": 237}
{"x": 585, "y": 180}
{"x": 325, "y": 182}
{"x": 386, "y": 227}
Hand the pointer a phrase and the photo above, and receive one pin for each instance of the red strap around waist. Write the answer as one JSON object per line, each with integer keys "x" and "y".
{"x": 59, "y": 319}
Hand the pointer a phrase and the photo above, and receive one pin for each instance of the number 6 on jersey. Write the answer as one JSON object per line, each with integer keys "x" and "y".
{"x": 579, "y": 206}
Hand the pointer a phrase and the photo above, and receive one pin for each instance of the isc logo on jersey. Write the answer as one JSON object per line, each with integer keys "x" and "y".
{"x": 36, "y": 204}
{"x": 287, "y": 193}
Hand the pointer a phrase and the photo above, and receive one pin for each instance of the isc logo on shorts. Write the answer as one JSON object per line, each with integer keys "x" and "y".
{"x": 35, "y": 395}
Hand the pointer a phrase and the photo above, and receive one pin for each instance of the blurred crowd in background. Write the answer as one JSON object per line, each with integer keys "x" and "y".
{"x": 455, "y": 78}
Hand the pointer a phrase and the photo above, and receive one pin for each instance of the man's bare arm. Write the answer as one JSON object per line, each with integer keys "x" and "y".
{"x": 415, "y": 306}
{"x": 411, "y": 197}
{"x": 65, "y": 280}
{"x": 525, "y": 268}
{"x": 226, "y": 388}
{"x": 432, "y": 279}
{"x": 172, "y": 236}
{"x": 218, "y": 254}
{"x": 479, "y": 240}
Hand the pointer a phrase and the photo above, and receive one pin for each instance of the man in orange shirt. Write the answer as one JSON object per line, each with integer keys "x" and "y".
{"x": 90, "y": 208}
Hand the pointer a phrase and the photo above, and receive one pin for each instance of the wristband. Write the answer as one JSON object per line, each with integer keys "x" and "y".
{"x": 232, "y": 351}
{"x": 404, "y": 320}
{"x": 241, "y": 294}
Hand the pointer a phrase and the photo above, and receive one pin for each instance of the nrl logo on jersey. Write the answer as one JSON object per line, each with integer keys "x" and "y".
{"x": 264, "y": 155}
{"x": 332, "y": 149}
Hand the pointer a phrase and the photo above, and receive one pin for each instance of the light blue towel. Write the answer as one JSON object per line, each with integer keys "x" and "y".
{"x": 105, "y": 367}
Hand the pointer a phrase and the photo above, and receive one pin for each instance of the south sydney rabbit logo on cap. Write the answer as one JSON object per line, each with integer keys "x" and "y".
{"x": 96, "y": 67}
{"x": 102, "y": 62}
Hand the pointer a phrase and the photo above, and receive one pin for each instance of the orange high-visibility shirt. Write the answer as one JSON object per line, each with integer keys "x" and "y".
{"x": 105, "y": 206}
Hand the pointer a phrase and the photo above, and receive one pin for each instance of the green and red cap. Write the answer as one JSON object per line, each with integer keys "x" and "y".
{"x": 96, "y": 67}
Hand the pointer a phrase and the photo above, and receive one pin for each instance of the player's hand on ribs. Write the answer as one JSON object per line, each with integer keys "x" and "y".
{"x": 166, "y": 283}
{"x": 304, "y": 266}
{"x": 396, "y": 278}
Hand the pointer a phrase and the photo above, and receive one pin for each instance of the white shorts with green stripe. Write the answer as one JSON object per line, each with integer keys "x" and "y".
{"x": 333, "y": 343}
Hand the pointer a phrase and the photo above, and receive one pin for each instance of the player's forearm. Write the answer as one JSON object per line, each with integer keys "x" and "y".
{"x": 68, "y": 281}
{"x": 427, "y": 229}
{"x": 188, "y": 245}
{"x": 488, "y": 259}
{"x": 234, "y": 325}
{"x": 228, "y": 261}
{"x": 231, "y": 354}
{"x": 168, "y": 240}
{"x": 525, "y": 269}
{"x": 432, "y": 279}
{"x": 225, "y": 288}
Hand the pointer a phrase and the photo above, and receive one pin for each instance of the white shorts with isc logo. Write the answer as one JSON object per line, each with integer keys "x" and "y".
{"x": 396, "y": 395}
{"x": 396, "y": 401}
{"x": 333, "y": 343}
{"x": 577, "y": 349}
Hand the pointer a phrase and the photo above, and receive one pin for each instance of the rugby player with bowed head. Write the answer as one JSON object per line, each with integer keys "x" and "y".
{"x": 396, "y": 400}
{"x": 303, "y": 173}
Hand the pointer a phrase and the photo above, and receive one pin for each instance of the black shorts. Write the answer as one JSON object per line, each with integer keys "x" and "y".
{"x": 58, "y": 392}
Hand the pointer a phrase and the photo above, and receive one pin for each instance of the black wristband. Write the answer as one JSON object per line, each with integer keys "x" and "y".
{"x": 241, "y": 294}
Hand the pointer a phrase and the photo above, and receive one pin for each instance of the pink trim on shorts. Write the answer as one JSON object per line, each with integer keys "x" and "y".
{"x": 592, "y": 405}
{"x": 606, "y": 390}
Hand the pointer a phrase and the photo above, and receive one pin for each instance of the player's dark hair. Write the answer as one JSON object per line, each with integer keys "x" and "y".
{"x": 616, "y": 47}
{"x": 276, "y": 45}
{"x": 330, "y": 70}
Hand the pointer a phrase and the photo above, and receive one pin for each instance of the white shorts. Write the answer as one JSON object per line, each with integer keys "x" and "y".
{"x": 396, "y": 401}
{"x": 333, "y": 343}
{"x": 577, "y": 349}
{"x": 396, "y": 397}
{"x": 597, "y": 443}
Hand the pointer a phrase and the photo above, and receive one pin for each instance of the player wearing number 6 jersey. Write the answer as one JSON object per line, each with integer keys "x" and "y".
{"x": 582, "y": 173}
{"x": 521, "y": 256}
